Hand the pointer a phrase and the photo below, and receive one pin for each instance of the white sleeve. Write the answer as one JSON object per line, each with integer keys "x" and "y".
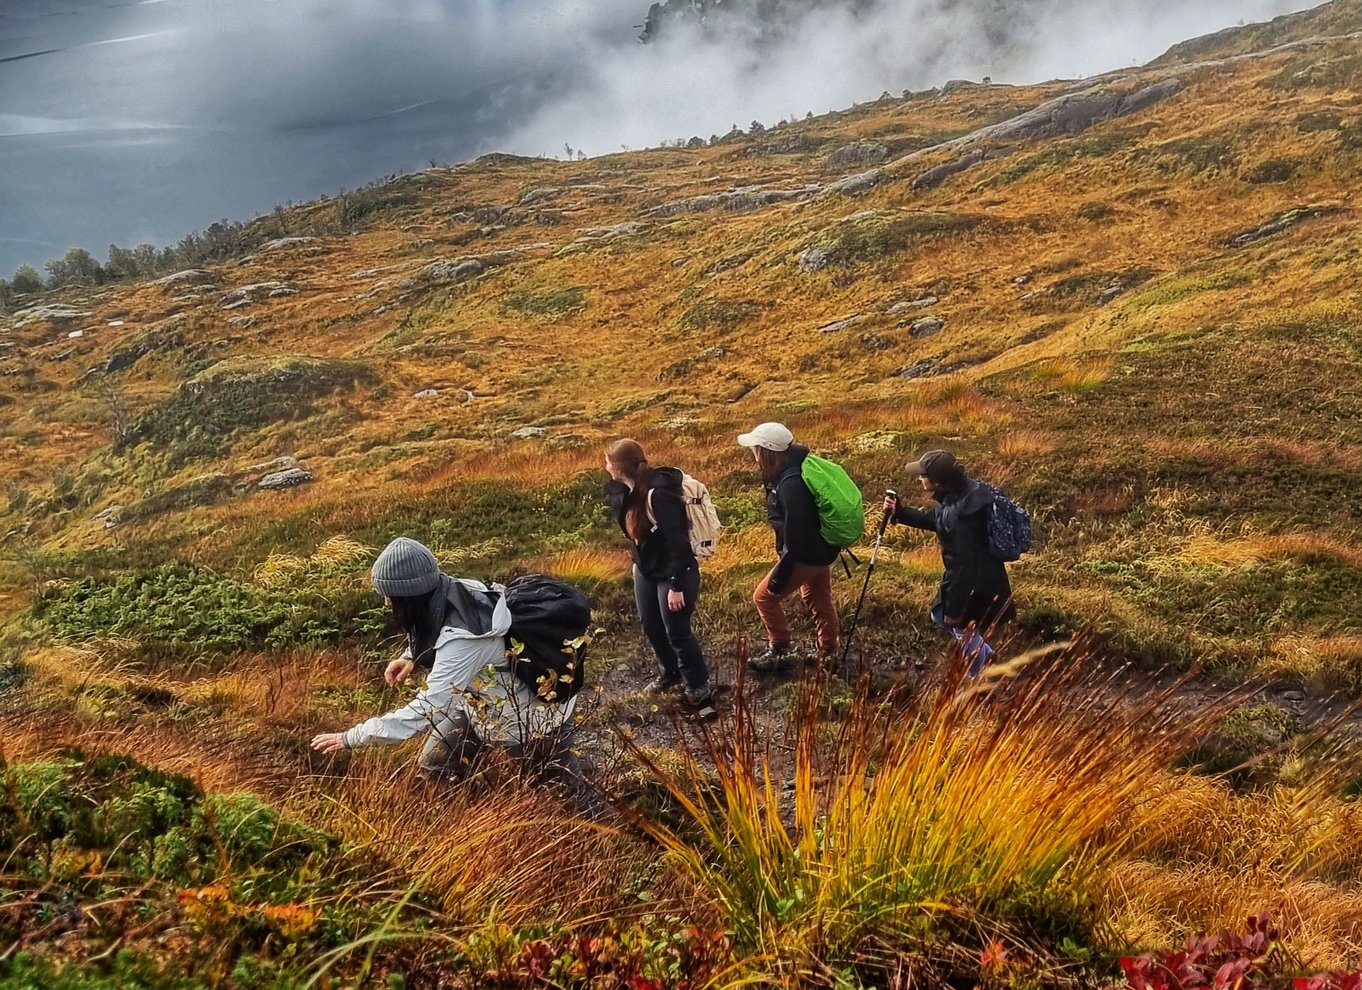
{"x": 457, "y": 662}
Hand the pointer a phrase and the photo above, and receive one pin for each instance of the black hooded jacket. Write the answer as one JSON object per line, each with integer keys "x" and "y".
{"x": 665, "y": 553}
{"x": 974, "y": 587}
{"x": 793, "y": 514}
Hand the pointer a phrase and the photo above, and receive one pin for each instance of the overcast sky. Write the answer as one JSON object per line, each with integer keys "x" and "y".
{"x": 140, "y": 121}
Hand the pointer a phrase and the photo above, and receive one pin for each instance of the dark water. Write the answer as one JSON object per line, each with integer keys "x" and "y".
{"x": 130, "y": 123}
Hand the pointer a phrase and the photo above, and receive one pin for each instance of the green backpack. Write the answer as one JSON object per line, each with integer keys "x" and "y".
{"x": 841, "y": 514}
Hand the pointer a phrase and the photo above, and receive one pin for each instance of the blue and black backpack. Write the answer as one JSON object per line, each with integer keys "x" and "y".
{"x": 1009, "y": 526}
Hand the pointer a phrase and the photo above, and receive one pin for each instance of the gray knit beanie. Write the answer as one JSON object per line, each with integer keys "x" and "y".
{"x": 405, "y": 568}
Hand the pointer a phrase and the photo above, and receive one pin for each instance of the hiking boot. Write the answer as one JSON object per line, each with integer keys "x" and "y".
{"x": 699, "y": 702}
{"x": 772, "y": 659}
{"x": 664, "y": 684}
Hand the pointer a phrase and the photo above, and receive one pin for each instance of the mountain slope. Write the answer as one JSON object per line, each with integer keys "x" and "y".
{"x": 1111, "y": 295}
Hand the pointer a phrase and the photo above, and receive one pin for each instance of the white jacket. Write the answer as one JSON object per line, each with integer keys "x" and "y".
{"x": 470, "y": 673}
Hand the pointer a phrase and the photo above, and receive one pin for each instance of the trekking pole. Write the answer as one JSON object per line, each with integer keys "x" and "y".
{"x": 870, "y": 569}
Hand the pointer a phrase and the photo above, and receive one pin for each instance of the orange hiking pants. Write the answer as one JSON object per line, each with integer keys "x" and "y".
{"x": 815, "y": 587}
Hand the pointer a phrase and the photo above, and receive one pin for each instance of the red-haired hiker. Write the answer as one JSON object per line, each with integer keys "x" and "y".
{"x": 649, "y": 506}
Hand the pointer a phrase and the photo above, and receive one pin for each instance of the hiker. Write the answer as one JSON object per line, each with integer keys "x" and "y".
{"x": 805, "y": 557}
{"x": 648, "y": 503}
{"x": 455, "y": 631}
{"x": 975, "y": 596}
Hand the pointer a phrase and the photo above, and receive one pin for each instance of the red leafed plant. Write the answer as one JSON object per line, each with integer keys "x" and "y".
{"x": 1254, "y": 961}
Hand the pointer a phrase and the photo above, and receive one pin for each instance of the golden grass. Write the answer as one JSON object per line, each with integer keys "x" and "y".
{"x": 960, "y": 803}
{"x": 603, "y": 566}
{"x": 1207, "y": 549}
{"x": 1213, "y": 857}
{"x": 1025, "y": 444}
{"x": 487, "y": 854}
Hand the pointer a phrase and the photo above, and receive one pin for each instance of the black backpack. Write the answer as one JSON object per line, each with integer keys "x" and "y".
{"x": 550, "y": 629}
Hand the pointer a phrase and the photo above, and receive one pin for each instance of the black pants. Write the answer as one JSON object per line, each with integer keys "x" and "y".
{"x": 678, "y": 651}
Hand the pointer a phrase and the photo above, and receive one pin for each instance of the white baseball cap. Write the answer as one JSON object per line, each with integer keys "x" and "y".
{"x": 772, "y": 436}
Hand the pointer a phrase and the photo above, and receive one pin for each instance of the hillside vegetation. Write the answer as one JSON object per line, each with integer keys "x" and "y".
{"x": 1132, "y": 301}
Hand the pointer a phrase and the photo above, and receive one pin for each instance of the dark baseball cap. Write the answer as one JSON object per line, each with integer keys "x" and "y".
{"x": 936, "y": 465}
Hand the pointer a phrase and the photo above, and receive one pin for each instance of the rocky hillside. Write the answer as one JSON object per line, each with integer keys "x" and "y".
{"x": 1130, "y": 298}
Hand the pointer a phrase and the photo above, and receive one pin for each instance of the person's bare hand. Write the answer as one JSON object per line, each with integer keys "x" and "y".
{"x": 891, "y": 505}
{"x": 398, "y": 671}
{"x": 329, "y": 742}
{"x": 676, "y": 601}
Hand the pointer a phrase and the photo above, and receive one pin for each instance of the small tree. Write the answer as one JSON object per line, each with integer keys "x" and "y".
{"x": 26, "y": 280}
{"x": 110, "y": 392}
{"x": 6, "y": 296}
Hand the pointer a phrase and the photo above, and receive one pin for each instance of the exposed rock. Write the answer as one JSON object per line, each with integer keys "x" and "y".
{"x": 114, "y": 323}
{"x": 103, "y": 514}
{"x": 280, "y": 243}
{"x": 814, "y": 259}
{"x": 243, "y": 322}
{"x": 956, "y": 85}
{"x": 927, "y": 326}
{"x": 606, "y": 233}
{"x": 529, "y": 433}
{"x": 842, "y": 324}
{"x": 854, "y": 154}
{"x": 1281, "y": 223}
{"x": 1076, "y": 112}
{"x": 51, "y": 313}
{"x": 734, "y": 201}
{"x": 540, "y": 194}
{"x": 1069, "y": 114}
{"x": 75, "y": 334}
{"x": 285, "y": 479}
{"x": 903, "y": 307}
{"x": 255, "y": 292}
{"x": 367, "y": 273}
{"x": 919, "y": 369}
{"x": 426, "y": 393}
{"x": 190, "y": 276}
{"x": 712, "y": 354}
{"x": 933, "y": 177}
{"x": 1109, "y": 293}
{"x": 282, "y": 292}
{"x": 854, "y": 185}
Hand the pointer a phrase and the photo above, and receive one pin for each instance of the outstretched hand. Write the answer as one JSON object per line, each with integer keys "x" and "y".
{"x": 891, "y": 505}
{"x": 329, "y": 742}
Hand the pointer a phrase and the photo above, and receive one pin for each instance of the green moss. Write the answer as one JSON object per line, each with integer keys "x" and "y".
{"x": 549, "y": 303}
{"x": 244, "y": 394}
{"x": 873, "y": 236}
{"x": 178, "y": 607}
{"x": 712, "y": 316}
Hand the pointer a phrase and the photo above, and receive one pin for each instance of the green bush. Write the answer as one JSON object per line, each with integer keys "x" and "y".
{"x": 180, "y": 608}
{"x": 555, "y": 302}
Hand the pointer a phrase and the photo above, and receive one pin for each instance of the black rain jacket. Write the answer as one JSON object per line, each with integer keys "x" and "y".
{"x": 974, "y": 587}
{"x": 665, "y": 554}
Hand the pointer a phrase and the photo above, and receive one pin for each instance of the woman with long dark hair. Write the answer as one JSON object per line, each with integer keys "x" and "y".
{"x": 648, "y": 503}
{"x": 975, "y": 596}
{"x": 455, "y": 630}
{"x": 805, "y": 558}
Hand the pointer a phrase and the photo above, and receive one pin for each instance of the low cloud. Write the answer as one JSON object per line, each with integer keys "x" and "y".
{"x": 125, "y": 122}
